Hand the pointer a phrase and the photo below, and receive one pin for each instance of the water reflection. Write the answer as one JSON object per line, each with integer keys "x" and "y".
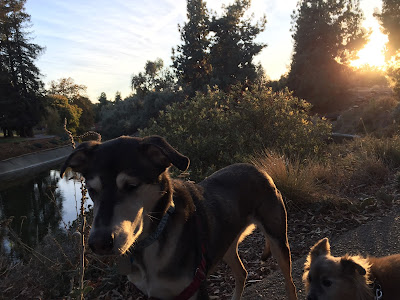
{"x": 38, "y": 205}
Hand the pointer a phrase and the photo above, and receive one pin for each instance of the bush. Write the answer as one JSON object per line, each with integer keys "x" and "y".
{"x": 127, "y": 116}
{"x": 218, "y": 128}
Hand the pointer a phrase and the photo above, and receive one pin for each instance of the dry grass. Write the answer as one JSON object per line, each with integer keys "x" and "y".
{"x": 298, "y": 181}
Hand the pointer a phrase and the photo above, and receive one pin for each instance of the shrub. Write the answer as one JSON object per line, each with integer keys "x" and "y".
{"x": 218, "y": 128}
{"x": 378, "y": 117}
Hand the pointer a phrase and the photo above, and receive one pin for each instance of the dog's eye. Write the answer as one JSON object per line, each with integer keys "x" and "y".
{"x": 130, "y": 187}
{"x": 326, "y": 282}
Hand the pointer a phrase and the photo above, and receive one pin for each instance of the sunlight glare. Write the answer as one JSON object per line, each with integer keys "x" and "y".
{"x": 373, "y": 53}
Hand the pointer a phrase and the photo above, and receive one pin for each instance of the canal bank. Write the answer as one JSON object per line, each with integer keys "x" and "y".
{"x": 13, "y": 168}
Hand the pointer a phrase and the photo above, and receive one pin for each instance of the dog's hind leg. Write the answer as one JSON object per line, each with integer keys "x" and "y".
{"x": 267, "y": 250}
{"x": 280, "y": 250}
{"x": 271, "y": 215}
{"x": 232, "y": 259}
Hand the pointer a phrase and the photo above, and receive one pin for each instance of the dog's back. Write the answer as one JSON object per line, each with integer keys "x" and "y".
{"x": 236, "y": 191}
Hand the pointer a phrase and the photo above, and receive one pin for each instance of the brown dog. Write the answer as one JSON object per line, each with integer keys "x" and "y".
{"x": 350, "y": 277}
{"x": 173, "y": 232}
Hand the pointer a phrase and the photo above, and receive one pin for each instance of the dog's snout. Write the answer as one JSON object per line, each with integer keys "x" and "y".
{"x": 101, "y": 242}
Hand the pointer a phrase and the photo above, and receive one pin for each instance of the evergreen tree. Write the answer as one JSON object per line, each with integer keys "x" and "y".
{"x": 118, "y": 97}
{"x": 103, "y": 99}
{"x": 390, "y": 21}
{"x": 327, "y": 34}
{"x": 17, "y": 56}
{"x": 233, "y": 46}
{"x": 191, "y": 59}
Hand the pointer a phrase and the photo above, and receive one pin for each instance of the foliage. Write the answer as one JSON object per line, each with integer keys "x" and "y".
{"x": 86, "y": 120}
{"x": 379, "y": 117}
{"x": 67, "y": 87}
{"x": 75, "y": 93}
{"x": 278, "y": 85}
{"x": 118, "y": 97}
{"x": 327, "y": 35}
{"x": 233, "y": 47}
{"x": 103, "y": 102}
{"x": 191, "y": 60}
{"x": 368, "y": 76}
{"x": 127, "y": 116}
{"x": 217, "y": 51}
{"x": 154, "y": 79}
{"x": 65, "y": 110}
{"x": 390, "y": 21}
{"x": 19, "y": 73}
{"x": 220, "y": 128}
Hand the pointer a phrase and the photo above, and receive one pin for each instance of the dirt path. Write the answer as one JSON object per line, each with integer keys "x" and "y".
{"x": 376, "y": 238}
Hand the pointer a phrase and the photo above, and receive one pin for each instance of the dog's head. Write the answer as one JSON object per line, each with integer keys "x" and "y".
{"x": 125, "y": 180}
{"x": 328, "y": 278}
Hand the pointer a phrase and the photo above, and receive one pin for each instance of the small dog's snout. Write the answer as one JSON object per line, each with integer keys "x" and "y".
{"x": 101, "y": 242}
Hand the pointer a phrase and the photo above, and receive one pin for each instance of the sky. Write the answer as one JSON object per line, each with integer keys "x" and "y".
{"x": 101, "y": 43}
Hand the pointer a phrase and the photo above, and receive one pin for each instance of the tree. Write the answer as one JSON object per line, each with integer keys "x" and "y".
{"x": 103, "y": 99}
{"x": 118, "y": 97}
{"x": 67, "y": 87}
{"x": 191, "y": 60}
{"x": 86, "y": 120}
{"x": 75, "y": 93}
{"x": 8, "y": 110}
{"x": 390, "y": 21}
{"x": 233, "y": 47}
{"x": 17, "y": 56}
{"x": 60, "y": 105}
{"x": 154, "y": 79}
{"x": 327, "y": 34}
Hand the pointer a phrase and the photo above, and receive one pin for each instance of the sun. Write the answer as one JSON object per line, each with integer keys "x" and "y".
{"x": 373, "y": 52}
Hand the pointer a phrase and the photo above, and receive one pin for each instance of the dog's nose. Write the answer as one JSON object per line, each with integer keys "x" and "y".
{"x": 101, "y": 242}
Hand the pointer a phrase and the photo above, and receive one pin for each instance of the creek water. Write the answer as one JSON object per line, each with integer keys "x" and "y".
{"x": 35, "y": 205}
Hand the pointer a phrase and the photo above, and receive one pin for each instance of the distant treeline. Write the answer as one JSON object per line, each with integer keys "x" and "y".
{"x": 216, "y": 55}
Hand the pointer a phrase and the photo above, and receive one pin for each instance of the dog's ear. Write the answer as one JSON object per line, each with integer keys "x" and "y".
{"x": 322, "y": 247}
{"x": 349, "y": 266}
{"x": 79, "y": 158}
{"x": 163, "y": 154}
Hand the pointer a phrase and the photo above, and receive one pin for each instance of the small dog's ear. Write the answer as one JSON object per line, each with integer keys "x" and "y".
{"x": 349, "y": 266}
{"x": 78, "y": 159}
{"x": 163, "y": 154}
{"x": 322, "y": 247}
